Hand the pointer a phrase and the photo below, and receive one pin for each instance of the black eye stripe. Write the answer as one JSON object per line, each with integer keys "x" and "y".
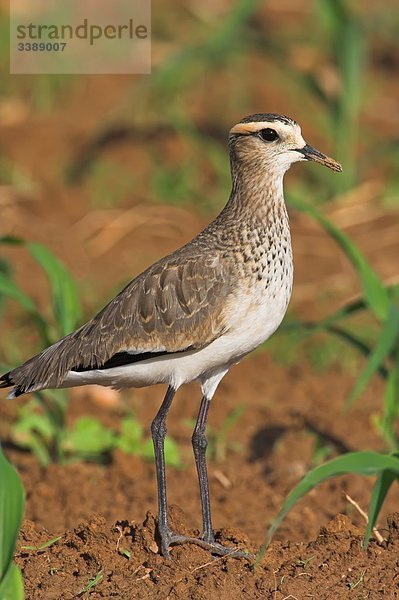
{"x": 268, "y": 134}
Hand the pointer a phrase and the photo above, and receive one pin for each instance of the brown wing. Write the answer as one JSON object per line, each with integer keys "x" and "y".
{"x": 169, "y": 307}
{"x": 177, "y": 304}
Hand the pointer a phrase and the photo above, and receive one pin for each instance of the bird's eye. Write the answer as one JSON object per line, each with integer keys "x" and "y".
{"x": 269, "y": 135}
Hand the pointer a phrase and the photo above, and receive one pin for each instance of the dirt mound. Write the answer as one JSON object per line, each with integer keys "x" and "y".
{"x": 122, "y": 561}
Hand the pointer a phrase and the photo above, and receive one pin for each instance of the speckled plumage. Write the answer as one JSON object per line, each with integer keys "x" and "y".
{"x": 241, "y": 264}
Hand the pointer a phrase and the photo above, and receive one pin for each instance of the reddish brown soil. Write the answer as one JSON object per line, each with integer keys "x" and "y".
{"x": 126, "y": 557}
{"x": 276, "y": 435}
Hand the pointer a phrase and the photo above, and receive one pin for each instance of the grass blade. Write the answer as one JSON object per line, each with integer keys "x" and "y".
{"x": 387, "y": 424}
{"x": 380, "y": 490}
{"x": 11, "y": 240}
{"x": 364, "y": 463}
{"x": 340, "y": 333}
{"x": 66, "y": 303}
{"x": 385, "y": 342}
{"x": 11, "y": 512}
{"x": 12, "y": 586}
{"x": 11, "y": 289}
{"x": 374, "y": 292}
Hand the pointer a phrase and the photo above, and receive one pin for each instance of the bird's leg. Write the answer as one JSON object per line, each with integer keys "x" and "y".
{"x": 158, "y": 431}
{"x": 200, "y": 444}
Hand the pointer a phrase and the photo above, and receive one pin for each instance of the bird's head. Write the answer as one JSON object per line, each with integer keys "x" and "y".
{"x": 274, "y": 142}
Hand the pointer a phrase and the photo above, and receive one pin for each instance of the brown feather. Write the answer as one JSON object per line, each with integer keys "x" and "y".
{"x": 170, "y": 307}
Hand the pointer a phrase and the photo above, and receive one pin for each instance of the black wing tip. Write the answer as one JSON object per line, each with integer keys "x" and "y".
{"x": 6, "y": 381}
{"x": 17, "y": 391}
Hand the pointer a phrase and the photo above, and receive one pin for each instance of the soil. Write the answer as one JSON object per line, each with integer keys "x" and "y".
{"x": 104, "y": 513}
{"x": 126, "y": 561}
{"x": 100, "y": 510}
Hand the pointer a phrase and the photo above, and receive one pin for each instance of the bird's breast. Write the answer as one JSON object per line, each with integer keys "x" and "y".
{"x": 262, "y": 297}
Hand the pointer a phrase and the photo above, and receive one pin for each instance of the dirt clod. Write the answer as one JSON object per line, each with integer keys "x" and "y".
{"x": 329, "y": 567}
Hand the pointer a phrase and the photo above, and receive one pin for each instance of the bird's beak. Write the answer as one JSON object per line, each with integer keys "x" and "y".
{"x": 313, "y": 154}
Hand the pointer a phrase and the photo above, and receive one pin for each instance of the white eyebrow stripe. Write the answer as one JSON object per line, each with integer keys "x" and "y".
{"x": 247, "y": 128}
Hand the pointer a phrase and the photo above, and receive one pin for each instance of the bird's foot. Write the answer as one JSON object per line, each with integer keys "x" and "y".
{"x": 172, "y": 539}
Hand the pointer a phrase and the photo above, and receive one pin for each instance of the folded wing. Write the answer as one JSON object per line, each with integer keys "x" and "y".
{"x": 177, "y": 304}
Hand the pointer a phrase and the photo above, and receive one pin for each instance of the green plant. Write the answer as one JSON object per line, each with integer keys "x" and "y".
{"x": 12, "y": 499}
{"x": 385, "y": 467}
{"x": 382, "y": 303}
{"x": 87, "y": 439}
{"x": 382, "y": 358}
{"x": 44, "y": 545}
{"x": 93, "y": 581}
{"x": 66, "y": 309}
{"x": 347, "y": 43}
{"x": 44, "y": 432}
{"x": 131, "y": 440}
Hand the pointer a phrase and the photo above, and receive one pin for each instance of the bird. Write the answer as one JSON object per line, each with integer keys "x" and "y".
{"x": 198, "y": 311}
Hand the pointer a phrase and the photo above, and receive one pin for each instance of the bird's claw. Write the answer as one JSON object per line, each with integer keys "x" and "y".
{"x": 171, "y": 539}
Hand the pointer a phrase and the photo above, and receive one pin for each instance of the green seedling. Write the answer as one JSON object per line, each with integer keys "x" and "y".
{"x": 44, "y": 433}
{"x": 12, "y": 500}
{"x": 382, "y": 359}
{"x": 91, "y": 583}
{"x": 384, "y": 466}
{"x": 382, "y": 303}
{"x": 304, "y": 563}
{"x": 131, "y": 440}
{"x": 43, "y": 546}
{"x": 124, "y": 552}
{"x": 353, "y": 585}
{"x": 89, "y": 439}
{"x": 41, "y": 424}
{"x": 346, "y": 38}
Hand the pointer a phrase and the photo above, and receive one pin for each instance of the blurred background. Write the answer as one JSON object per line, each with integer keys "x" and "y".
{"x": 113, "y": 171}
{"x": 108, "y": 173}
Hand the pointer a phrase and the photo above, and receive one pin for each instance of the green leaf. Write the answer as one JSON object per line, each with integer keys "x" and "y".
{"x": 386, "y": 340}
{"x": 342, "y": 334}
{"x": 11, "y": 240}
{"x": 35, "y": 431}
{"x": 12, "y": 586}
{"x": 380, "y": 490}
{"x": 66, "y": 304}
{"x": 364, "y": 463}
{"x": 89, "y": 437}
{"x": 11, "y": 511}
{"x": 391, "y": 406}
{"x": 44, "y": 545}
{"x": 91, "y": 583}
{"x": 131, "y": 437}
{"x": 172, "y": 454}
{"x": 9, "y": 288}
{"x": 374, "y": 292}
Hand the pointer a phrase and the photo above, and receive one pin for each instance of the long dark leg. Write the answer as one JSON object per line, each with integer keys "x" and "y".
{"x": 200, "y": 444}
{"x": 158, "y": 431}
